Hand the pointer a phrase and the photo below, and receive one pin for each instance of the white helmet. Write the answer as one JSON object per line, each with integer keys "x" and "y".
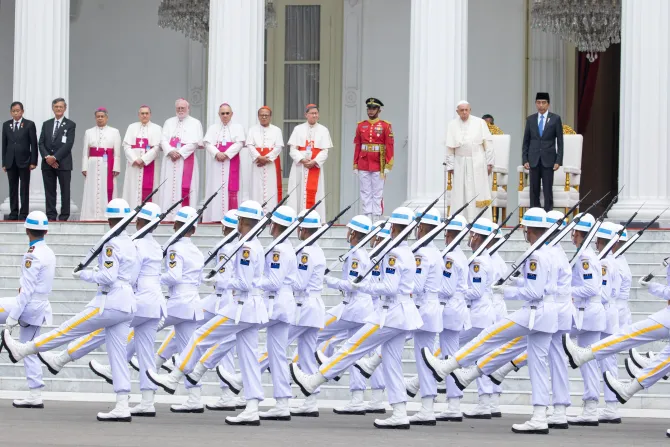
{"x": 117, "y": 209}
{"x": 483, "y": 226}
{"x": 457, "y": 223}
{"x": 250, "y": 209}
{"x": 385, "y": 232}
{"x": 554, "y": 216}
{"x": 36, "y": 220}
{"x": 185, "y": 214}
{"x": 624, "y": 234}
{"x": 607, "y": 230}
{"x": 535, "y": 218}
{"x": 149, "y": 212}
{"x": 402, "y": 216}
{"x": 230, "y": 219}
{"x": 311, "y": 220}
{"x": 432, "y": 217}
{"x": 284, "y": 216}
{"x": 360, "y": 223}
{"x": 586, "y": 222}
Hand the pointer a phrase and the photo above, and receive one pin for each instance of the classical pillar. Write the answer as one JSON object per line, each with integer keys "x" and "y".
{"x": 546, "y": 70}
{"x": 235, "y": 69}
{"x": 644, "y": 159}
{"x": 437, "y": 81}
{"x": 41, "y": 72}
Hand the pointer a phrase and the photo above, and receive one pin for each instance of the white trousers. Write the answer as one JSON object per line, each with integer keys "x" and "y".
{"x": 484, "y": 384}
{"x": 218, "y": 357}
{"x": 608, "y": 363}
{"x": 658, "y": 368}
{"x": 589, "y": 370}
{"x": 117, "y": 327}
{"x": 371, "y": 187}
{"x": 427, "y": 382}
{"x": 31, "y": 364}
{"x": 336, "y": 333}
{"x": 275, "y": 358}
{"x": 306, "y": 338}
{"x": 449, "y": 344}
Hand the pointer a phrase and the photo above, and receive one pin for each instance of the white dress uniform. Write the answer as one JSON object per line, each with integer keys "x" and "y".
{"x": 625, "y": 317}
{"x": 101, "y": 157}
{"x": 611, "y": 284}
{"x": 263, "y": 180}
{"x": 141, "y": 142}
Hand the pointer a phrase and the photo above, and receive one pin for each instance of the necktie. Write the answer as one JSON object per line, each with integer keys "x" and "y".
{"x": 53, "y": 137}
{"x": 16, "y": 126}
{"x": 540, "y": 127}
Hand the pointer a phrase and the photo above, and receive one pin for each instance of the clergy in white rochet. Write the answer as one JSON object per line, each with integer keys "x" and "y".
{"x": 470, "y": 157}
{"x": 264, "y": 145}
{"x": 141, "y": 144}
{"x": 223, "y": 142}
{"x": 309, "y": 144}
{"x": 101, "y": 163}
{"x": 182, "y": 135}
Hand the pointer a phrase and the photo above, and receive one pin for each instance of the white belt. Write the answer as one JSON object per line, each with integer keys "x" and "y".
{"x": 271, "y": 297}
{"x": 562, "y": 298}
{"x": 386, "y": 301}
{"x": 425, "y": 298}
{"x": 533, "y": 309}
{"x": 241, "y": 297}
{"x": 183, "y": 289}
{"x": 146, "y": 283}
{"x": 581, "y": 305}
{"x": 372, "y": 147}
{"x": 105, "y": 290}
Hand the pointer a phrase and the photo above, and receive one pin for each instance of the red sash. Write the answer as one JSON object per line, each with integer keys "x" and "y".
{"x": 148, "y": 170}
{"x": 187, "y": 175}
{"x": 100, "y": 152}
{"x": 263, "y": 152}
{"x": 312, "y": 184}
{"x": 233, "y": 176}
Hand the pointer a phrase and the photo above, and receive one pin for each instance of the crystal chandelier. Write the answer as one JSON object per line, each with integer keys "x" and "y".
{"x": 591, "y": 25}
{"x": 191, "y": 17}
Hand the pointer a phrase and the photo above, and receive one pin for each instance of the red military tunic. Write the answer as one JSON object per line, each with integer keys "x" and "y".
{"x": 373, "y": 146}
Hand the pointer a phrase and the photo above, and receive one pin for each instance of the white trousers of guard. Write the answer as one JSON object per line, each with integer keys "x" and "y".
{"x": 183, "y": 331}
{"x": 31, "y": 364}
{"x": 484, "y": 384}
{"x": 371, "y": 187}
{"x": 275, "y": 358}
{"x": 116, "y": 325}
{"x": 427, "y": 382}
{"x": 589, "y": 370}
{"x": 658, "y": 368}
{"x": 449, "y": 344}
{"x": 216, "y": 357}
{"x": 608, "y": 363}
{"x": 342, "y": 330}
{"x": 306, "y": 337}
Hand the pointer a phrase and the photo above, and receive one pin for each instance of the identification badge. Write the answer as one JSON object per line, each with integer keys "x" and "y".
{"x": 64, "y": 139}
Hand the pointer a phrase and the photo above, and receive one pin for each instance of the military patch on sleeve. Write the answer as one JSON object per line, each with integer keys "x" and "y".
{"x": 173, "y": 255}
{"x": 246, "y": 253}
{"x": 375, "y": 271}
{"x": 303, "y": 262}
{"x": 476, "y": 279}
{"x": 31, "y": 249}
{"x": 532, "y": 266}
{"x": 108, "y": 251}
{"x": 531, "y": 276}
{"x": 417, "y": 259}
{"x": 390, "y": 270}
{"x": 585, "y": 265}
{"x": 446, "y": 274}
{"x": 275, "y": 256}
{"x": 475, "y": 268}
{"x": 604, "y": 270}
{"x": 449, "y": 264}
{"x": 221, "y": 257}
{"x": 588, "y": 276}
{"x": 172, "y": 264}
{"x": 354, "y": 264}
{"x": 392, "y": 261}
{"x": 222, "y": 270}
{"x": 108, "y": 264}
{"x": 28, "y": 263}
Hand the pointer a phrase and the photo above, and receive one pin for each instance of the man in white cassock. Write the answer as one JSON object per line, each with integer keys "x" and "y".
{"x": 264, "y": 146}
{"x": 141, "y": 144}
{"x": 223, "y": 142}
{"x": 309, "y": 144}
{"x": 182, "y": 135}
{"x": 100, "y": 165}
{"x": 470, "y": 158}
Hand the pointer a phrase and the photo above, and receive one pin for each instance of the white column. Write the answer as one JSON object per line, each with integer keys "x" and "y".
{"x": 644, "y": 137}
{"x": 547, "y": 70}
{"x": 437, "y": 81}
{"x": 41, "y": 72}
{"x": 235, "y": 70}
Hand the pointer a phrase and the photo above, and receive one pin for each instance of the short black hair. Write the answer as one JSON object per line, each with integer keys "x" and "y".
{"x": 57, "y": 100}
{"x": 488, "y": 116}
{"x": 16, "y": 103}
{"x": 36, "y": 233}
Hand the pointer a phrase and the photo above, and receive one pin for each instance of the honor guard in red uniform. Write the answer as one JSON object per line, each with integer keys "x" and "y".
{"x": 373, "y": 158}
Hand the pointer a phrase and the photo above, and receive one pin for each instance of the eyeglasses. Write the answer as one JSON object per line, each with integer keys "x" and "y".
{"x": 225, "y": 113}
{"x": 264, "y": 116}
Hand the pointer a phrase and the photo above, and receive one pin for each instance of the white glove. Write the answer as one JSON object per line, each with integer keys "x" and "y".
{"x": 10, "y": 324}
{"x": 356, "y": 285}
{"x": 643, "y": 283}
{"x": 498, "y": 289}
{"x": 332, "y": 282}
{"x": 387, "y": 171}
{"x": 208, "y": 281}
{"x": 96, "y": 268}
{"x": 355, "y": 171}
{"x": 76, "y": 274}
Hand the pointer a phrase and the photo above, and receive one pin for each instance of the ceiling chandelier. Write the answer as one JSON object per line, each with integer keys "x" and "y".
{"x": 591, "y": 25}
{"x": 191, "y": 17}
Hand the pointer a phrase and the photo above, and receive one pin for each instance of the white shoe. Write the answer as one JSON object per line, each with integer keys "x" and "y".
{"x": 54, "y": 362}
{"x": 558, "y": 420}
{"x": 34, "y": 400}
{"x": 120, "y": 413}
{"x": 465, "y": 376}
{"x": 17, "y": 351}
{"x": 234, "y": 381}
{"x": 623, "y": 391}
{"x": 453, "y": 411}
{"x": 249, "y": 416}
{"x": 376, "y": 404}
{"x": 100, "y": 370}
{"x": 537, "y": 424}
{"x": 577, "y": 356}
{"x": 633, "y": 371}
{"x": 169, "y": 382}
{"x": 227, "y": 402}
{"x": 134, "y": 363}
{"x": 280, "y": 412}
{"x": 195, "y": 376}
{"x": 412, "y": 386}
{"x": 307, "y": 383}
{"x": 240, "y": 403}
{"x": 146, "y": 406}
{"x": 355, "y": 406}
{"x": 321, "y": 358}
{"x": 589, "y": 416}
{"x": 308, "y": 409}
{"x": 367, "y": 365}
{"x": 499, "y": 375}
{"x": 482, "y": 410}
{"x": 440, "y": 368}
{"x": 609, "y": 414}
{"x": 425, "y": 416}
{"x": 398, "y": 419}
{"x": 495, "y": 406}
{"x": 192, "y": 405}
{"x": 642, "y": 361}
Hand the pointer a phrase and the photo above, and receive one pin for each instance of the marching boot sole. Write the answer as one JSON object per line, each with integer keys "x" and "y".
{"x": 51, "y": 370}
{"x": 350, "y": 413}
{"x": 249, "y": 423}
{"x": 476, "y": 416}
{"x": 409, "y": 393}
{"x": 193, "y": 381}
{"x": 449, "y": 419}
{"x": 618, "y": 396}
{"x": 128, "y": 419}
{"x": 497, "y": 414}
{"x": 542, "y": 431}
{"x": 573, "y": 365}
{"x": 192, "y": 410}
{"x": 211, "y": 408}
{"x": 461, "y": 386}
{"x": 627, "y": 366}
{"x": 610, "y": 421}
{"x": 392, "y": 427}
{"x": 377, "y": 411}
{"x": 363, "y": 372}
{"x": 9, "y": 352}
{"x": 311, "y": 414}
{"x": 28, "y": 406}
{"x": 232, "y": 387}
{"x": 430, "y": 367}
{"x": 318, "y": 360}
{"x": 144, "y": 415}
{"x": 275, "y": 418}
{"x": 166, "y": 389}
{"x": 427, "y": 423}
{"x": 562, "y": 426}
{"x": 440, "y": 391}
{"x": 494, "y": 380}
{"x": 584, "y": 423}
{"x": 632, "y": 359}
{"x": 108, "y": 380}
{"x": 133, "y": 366}
{"x": 165, "y": 368}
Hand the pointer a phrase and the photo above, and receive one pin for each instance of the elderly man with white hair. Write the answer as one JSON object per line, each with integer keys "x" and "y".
{"x": 470, "y": 159}
{"x": 182, "y": 135}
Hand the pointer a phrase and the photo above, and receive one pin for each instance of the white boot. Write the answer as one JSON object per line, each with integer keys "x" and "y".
{"x": 412, "y": 386}
{"x": 321, "y": 358}
{"x": 355, "y": 406}
{"x": 440, "y": 368}
{"x": 376, "y": 404}
{"x": 453, "y": 411}
{"x": 577, "y": 356}
{"x": 641, "y": 361}
{"x": 441, "y": 387}
{"x": 248, "y": 417}
{"x": 308, "y": 383}
{"x": 135, "y": 364}
{"x": 234, "y": 381}
{"x": 120, "y": 413}
{"x": 589, "y": 416}
{"x": 465, "y": 376}
{"x": 495, "y": 406}
{"x": 146, "y": 406}
{"x": 609, "y": 414}
{"x": 34, "y": 400}
{"x": 367, "y": 365}
{"x": 169, "y": 382}
{"x": 482, "y": 410}
{"x": 499, "y": 375}
{"x": 537, "y": 424}
{"x": 227, "y": 402}
{"x": 192, "y": 405}
{"x": 195, "y": 376}
{"x": 631, "y": 368}
{"x": 558, "y": 419}
{"x": 100, "y": 370}
{"x": 280, "y": 412}
{"x": 309, "y": 408}
{"x": 623, "y": 391}
{"x": 17, "y": 351}
{"x": 425, "y": 416}
{"x": 398, "y": 419}
{"x": 54, "y": 362}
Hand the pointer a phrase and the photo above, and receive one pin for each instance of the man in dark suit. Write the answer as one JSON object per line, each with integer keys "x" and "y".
{"x": 56, "y": 142}
{"x": 542, "y": 150}
{"x": 19, "y": 157}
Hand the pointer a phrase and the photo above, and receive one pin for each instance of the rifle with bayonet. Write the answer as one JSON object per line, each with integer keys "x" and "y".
{"x": 291, "y": 228}
{"x": 139, "y": 234}
{"x": 321, "y": 231}
{"x": 432, "y": 234}
{"x": 637, "y": 235}
{"x": 615, "y": 238}
{"x": 502, "y": 240}
{"x": 461, "y": 235}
